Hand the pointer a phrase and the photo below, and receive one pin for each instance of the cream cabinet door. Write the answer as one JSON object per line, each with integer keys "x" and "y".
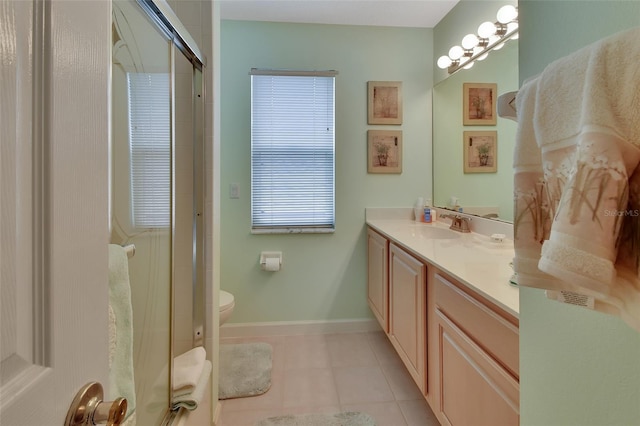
{"x": 407, "y": 311}
{"x": 475, "y": 389}
{"x": 54, "y": 81}
{"x": 378, "y": 278}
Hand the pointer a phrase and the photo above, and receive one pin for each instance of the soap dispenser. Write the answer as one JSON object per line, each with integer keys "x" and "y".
{"x": 427, "y": 214}
{"x": 428, "y": 218}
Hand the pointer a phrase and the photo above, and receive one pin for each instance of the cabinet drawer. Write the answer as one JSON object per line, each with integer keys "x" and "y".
{"x": 496, "y": 334}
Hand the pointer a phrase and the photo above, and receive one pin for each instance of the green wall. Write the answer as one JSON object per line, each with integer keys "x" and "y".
{"x": 577, "y": 367}
{"x": 323, "y": 276}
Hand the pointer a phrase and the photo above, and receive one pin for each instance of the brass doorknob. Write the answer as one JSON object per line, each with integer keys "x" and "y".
{"x": 88, "y": 408}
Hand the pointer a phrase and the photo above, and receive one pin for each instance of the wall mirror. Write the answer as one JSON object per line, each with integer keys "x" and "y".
{"x": 489, "y": 193}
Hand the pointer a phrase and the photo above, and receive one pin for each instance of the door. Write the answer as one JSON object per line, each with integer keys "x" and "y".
{"x": 408, "y": 312}
{"x": 474, "y": 388}
{"x": 377, "y": 277}
{"x": 54, "y": 112}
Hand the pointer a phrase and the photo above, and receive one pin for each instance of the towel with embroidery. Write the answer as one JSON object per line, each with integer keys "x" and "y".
{"x": 577, "y": 207}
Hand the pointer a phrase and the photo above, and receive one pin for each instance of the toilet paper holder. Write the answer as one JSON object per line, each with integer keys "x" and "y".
{"x": 270, "y": 255}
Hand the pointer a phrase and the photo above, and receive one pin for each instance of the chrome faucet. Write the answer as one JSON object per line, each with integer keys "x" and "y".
{"x": 458, "y": 223}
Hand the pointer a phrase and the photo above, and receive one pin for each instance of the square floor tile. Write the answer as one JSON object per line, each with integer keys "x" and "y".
{"x": 309, "y": 388}
{"x": 305, "y": 352}
{"x": 402, "y": 384}
{"x": 418, "y": 413}
{"x": 350, "y": 349}
{"x": 384, "y": 413}
{"x": 382, "y": 348}
{"x": 245, "y": 417}
{"x": 362, "y": 384}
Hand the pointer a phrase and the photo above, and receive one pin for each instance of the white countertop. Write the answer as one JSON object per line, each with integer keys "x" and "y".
{"x": 471, "y": 258}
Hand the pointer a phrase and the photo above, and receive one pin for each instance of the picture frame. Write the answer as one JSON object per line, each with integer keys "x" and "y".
{"x": 384, "y": 151}
{"x": 384, "y": 104}
{"x": 479, "y": 104}
{"x": 480, "y": 151}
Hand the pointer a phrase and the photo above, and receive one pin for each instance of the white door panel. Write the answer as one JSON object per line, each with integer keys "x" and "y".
{"x": 54, "y": 113}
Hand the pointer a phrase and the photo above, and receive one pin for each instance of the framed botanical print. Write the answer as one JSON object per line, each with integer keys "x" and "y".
{"x": 384, "y": 104}
{"x": 480, "y": 152}
{"x": 384, "y": 151}
{"x": 479, "y": 104}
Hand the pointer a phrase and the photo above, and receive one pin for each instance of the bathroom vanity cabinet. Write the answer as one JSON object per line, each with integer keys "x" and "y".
{"x": 460, "y": 348}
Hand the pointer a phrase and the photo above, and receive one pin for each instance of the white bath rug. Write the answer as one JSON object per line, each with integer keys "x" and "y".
{"x": 245, "y": 369}
{"x": 346, "y": 418}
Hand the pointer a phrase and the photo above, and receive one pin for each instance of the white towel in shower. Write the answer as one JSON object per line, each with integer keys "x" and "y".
{"x": 192, "y": 399}
{"x": 121, "y": 380}
{"x": 187, "y": 369}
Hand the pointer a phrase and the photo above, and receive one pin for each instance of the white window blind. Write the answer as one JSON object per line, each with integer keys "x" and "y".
{"x": 150, "y": 149}
{"x": 292, "y": 152}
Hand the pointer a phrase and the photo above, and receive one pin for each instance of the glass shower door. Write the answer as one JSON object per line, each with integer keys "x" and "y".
{"x": 141, "y": 195}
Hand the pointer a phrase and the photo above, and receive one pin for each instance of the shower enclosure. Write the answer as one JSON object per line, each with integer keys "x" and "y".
{"x": 157, "y": 191}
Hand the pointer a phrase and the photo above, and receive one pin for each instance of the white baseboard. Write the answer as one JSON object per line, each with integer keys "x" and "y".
{"x": 289, "y": 328}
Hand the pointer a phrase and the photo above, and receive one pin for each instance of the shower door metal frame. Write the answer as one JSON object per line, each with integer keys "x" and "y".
{"x": 162, "y": 14}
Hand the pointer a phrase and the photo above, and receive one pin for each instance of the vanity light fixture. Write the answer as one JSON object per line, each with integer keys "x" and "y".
{"x": 476, "y": 47}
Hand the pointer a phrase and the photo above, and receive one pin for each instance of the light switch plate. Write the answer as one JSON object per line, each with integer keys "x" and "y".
{"x": 234, "y": 190}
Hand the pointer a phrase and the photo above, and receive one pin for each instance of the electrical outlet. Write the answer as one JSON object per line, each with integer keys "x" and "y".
{"x": 234, "y": 190}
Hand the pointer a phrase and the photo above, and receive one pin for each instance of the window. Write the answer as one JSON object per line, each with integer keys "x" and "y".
{"x": 150, "y": 149}
{"x": 292, "y": 151}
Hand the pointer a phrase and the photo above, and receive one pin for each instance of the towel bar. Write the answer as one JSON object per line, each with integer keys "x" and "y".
{"x": 130, "y": 250}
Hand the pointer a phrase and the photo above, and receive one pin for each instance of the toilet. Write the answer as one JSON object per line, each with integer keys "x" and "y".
{"x": 227, "y": 302}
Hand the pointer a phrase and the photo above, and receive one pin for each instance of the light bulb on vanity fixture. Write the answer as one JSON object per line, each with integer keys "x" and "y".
{"x": 456, "y": 52}
{"x": 507, "y": 14}
{"x": 490, "y": 36}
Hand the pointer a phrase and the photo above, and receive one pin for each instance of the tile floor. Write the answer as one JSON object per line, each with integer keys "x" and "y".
{"x": 331, "y": 373}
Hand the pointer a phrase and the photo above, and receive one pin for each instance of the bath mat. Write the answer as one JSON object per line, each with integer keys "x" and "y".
{"x": 245, "y": 370}
{"x": 346, "y": 418}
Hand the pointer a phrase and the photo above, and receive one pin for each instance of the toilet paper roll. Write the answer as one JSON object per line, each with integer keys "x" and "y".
{"x": 271, "y": 264}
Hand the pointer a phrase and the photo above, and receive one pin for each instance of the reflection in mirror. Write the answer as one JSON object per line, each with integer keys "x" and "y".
{"x": 141, "y": 199}
{"x": 485, "y": 194}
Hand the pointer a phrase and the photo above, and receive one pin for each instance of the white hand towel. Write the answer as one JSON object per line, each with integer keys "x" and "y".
{"x": 187, "y": 369}
{"x": 596, "y": 85}
{"x": 191, "y": 400}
